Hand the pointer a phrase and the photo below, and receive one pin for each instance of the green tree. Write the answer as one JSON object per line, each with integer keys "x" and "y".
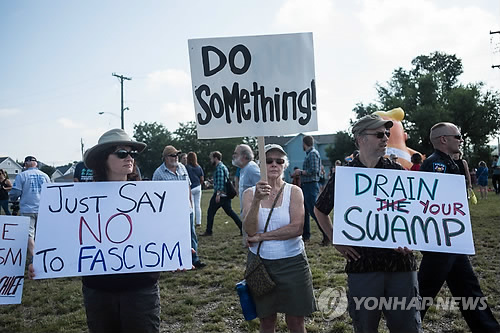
{"x": 184, "y": 138}
{"x": 429, "y": 93}
{"x": 343, "y": 146}
{"x": 156, "y": 136}
{"x": 49, "y": 170}
{"x": 361, "y": 110}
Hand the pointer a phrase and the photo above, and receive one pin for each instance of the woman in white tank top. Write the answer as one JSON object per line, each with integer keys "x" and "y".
{"x": 282, "y": 250}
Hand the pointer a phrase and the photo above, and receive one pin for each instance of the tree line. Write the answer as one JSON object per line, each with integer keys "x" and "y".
{"x": 429, "y": 92}
{"x": 184, "y": 138}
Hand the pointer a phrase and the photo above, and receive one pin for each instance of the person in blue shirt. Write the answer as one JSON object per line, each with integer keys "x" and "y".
{"x": 243, "y": 158}
{"x": 28, "y": 186}
{"x": 482, "y": 179}
{"x": 171, "y": 169}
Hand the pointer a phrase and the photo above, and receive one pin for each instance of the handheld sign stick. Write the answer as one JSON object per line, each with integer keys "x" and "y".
{"x": 262, "y": 158}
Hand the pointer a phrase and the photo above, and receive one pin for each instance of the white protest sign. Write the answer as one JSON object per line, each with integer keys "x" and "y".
{"x": 392, "y": 208}
{"x": 13, "y": 244}
{"x": 112, "y": 227}
{"x": 253, "y": 85}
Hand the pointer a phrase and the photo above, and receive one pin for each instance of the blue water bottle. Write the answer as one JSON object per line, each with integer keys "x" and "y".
{"x": 246, "y": 301}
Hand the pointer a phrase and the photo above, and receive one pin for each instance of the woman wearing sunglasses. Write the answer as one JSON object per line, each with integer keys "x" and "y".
{"x": 121, "y": 302}
{"x": 281, "y": 247}
{"x": 118, "y": 302}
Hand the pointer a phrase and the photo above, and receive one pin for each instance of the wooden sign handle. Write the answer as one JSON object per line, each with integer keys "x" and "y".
{"x": 262, "y": 158}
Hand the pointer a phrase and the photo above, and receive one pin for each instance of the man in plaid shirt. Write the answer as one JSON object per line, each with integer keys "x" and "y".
{"x": 309, "y": 178}
{"x": 171, "y": 169}
{"x": 219, "y": 198}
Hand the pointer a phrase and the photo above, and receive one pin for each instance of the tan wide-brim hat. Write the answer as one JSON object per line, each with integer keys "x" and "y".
{"x": 114, "y": 137}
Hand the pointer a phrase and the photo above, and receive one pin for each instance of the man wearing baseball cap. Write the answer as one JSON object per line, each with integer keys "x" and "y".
{"x": 28, "y": 185}
{"x": 171, "y": 169}
{"x": 374, "y": 272}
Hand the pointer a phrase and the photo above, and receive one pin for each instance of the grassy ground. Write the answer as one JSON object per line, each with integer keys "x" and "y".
{"x": 205, "y": 300}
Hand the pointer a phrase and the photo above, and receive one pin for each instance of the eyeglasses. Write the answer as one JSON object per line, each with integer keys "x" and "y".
{"x": 122, "y": 153}
{"x": 279, "y": 161}
{"x": 380, "y": 135}
{"x": 174, "y": 155}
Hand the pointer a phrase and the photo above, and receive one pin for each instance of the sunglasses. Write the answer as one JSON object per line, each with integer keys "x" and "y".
{"x": 279, "y": 161}
{"x": 174, "y": 155}
{"x": 456, "y": 136}
{"x": 380, "y": 135}
{"x": 122, "y": 153}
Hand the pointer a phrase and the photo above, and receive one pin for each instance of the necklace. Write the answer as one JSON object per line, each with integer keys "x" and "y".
{"x": 273, "y": 192}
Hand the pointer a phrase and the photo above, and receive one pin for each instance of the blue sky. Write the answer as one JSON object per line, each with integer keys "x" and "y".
{"x": 58, "y": 56}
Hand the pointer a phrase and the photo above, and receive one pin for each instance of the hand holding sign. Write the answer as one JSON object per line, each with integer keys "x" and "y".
{"x": 401, "y": 209}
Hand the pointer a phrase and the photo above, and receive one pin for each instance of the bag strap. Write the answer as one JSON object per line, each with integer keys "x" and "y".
{"x": 269, "y": 216}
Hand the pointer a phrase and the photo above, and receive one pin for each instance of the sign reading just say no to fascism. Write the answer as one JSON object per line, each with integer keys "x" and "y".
{"x": 112, "y": 227}
{"x": 391, "y": 208}
{"x": 13, "y": 244}
{"x": 254, "y": 85}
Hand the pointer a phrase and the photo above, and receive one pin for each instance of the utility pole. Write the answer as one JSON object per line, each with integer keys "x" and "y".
{"x": 491, "y": 33}
{"x": 82, "y": 146}
{"x": 496, "y": 66}
{"x": 121, "y": 77}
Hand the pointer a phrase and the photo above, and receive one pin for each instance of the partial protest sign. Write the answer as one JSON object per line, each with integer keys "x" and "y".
{"x": 392, "y": 208}
{"x": 13, "y": 249}
{"x": 112, "y": 227}
{"x": 253, "y": 85}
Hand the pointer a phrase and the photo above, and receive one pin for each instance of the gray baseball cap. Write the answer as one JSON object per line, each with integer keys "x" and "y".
{"x": 371, "y": 121}
{"x": 273, "y": 146}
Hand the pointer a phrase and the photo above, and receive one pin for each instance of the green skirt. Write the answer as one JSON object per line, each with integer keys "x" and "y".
{"x": 293, "y": 294}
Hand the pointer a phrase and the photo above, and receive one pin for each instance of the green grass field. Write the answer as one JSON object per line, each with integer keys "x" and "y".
{"x": 206, "y": 301}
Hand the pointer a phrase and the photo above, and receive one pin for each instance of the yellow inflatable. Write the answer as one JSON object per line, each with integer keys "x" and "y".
{"x": 397, "y": 142}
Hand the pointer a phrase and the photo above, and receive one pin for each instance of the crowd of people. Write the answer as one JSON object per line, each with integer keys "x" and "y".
{"x": 274, "y": 222}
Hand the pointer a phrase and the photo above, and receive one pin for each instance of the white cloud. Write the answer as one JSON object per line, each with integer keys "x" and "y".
{"x": 68, "y": 123}
{"x": 170, "y": 77}
{"x": 9, "y": 112}
{"x": 173, "y": 113}
{"x": 405, "y": 29}
{"x": 360, "y": 43}
{"x": 306, "y": 14}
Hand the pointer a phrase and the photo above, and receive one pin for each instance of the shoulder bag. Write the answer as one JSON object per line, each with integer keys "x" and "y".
{"x": 256, "y": 275}
{"x": 230, "y": 190}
